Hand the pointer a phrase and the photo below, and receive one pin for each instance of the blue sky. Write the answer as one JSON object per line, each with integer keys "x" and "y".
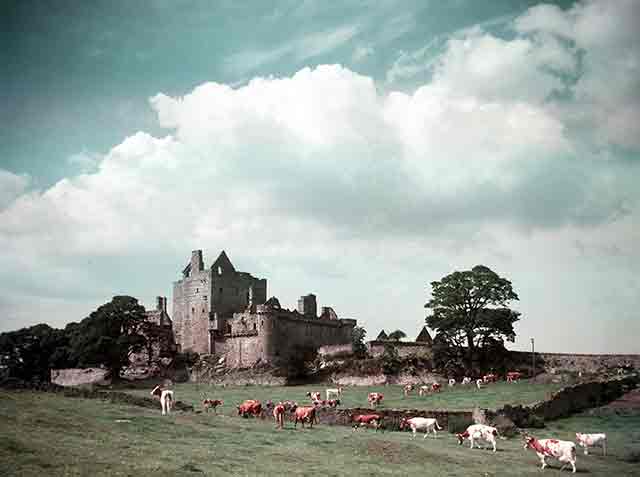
{"x": 356, "y": 150}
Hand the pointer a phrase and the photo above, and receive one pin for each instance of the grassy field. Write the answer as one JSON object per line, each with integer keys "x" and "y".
{"x": 456, "y": 398}
{"x": 50, "y": 435}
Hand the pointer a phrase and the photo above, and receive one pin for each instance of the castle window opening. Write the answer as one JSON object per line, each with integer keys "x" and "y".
{"x": 255, "y": 327}
{"x": 197, "y": 290}
{"x": 219, "y": 270}
{"x": 193, "y": 309}
{"x": 221, "y": 291}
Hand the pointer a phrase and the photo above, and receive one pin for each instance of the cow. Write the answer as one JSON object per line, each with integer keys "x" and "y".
{"x": 490, "y": 378}
{"x": 373, "y": 420}
{"x": 250, "y": 407}
{"x": 289, "y": 406}
{"x": 479, "y": 432}
{"x": 513, "y": 376}
{"x": 436, "y": 387}
{"x": 315, "y": 395}
{"x": 407, "y": 388}
{"x": 479, "y": 383}
{"x": 332, "y": 402}
{"x": 466, "y": 380}
{"x": 303, "y": 414}
{"x": 423, "y": 390}
{"x": 452, "y": 382}
{"x": 212, "y": 403}
{"x": 375, "y": 398}
{"x": 278, "y": 414}
{"x": 335, "y": 393}
{"x": 166, "y": 398}
{"x": 564, "y": 451}
{"x": 593, "y": 440}
{"x": 426, "y": 424}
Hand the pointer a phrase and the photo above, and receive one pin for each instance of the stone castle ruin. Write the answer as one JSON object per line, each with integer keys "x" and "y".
{"x": 219, "y": 310}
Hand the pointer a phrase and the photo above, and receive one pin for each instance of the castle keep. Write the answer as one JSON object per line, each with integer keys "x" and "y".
{"x": 218, "y": 310}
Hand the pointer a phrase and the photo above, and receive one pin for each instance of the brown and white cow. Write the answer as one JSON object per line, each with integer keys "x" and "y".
{"x": 436, "y": 387}
{"x": 367, "y": 420}
{"x": 375, "y": 399}
{"x": 250, "y": 407}
{"x": 564, "y": 451}
{"x": 592, "y": 440}
{"x": 479, "y": 432}
{"x": 490, "y": 378}
{"x": 315, "y": 395}
{"x": 407, "y": 389}
{"x": 513, "y": 376}
{"x": 212, "y": 403}
{"x": 303, "y": 414}
{"x": 166, "y": 398}
{"x": 278, "y": 414}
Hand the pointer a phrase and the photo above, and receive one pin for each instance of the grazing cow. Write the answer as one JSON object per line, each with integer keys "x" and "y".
{"x": 332, "y": 402}
{"x": 564, "y": 451}
{"x": 424, "y": 390}
{"x": 366, "y": 420}
{"x": 426, "y": 424}
{"x": 436, "y": 387}
{"x": 466, "y": 380}
{"x": 335, "y": 393}
{"x": 452, "y": 382}
{"x": 166, "y": 398}
{"x": 315, "y": 395}
{"x": 513, "y": 376}
{"x": 490, "y": 378}
{"x": 212, "y": 403}
{"x": 479, "y": 432}
{"x": 593, "y": 440}
{"x": 407, "y": 388}
{"x": 250, "y": 407}
{"x": 303, "y": 414}
{"x": 375, "y": 398}
{"x": 278, "y": 414}
{"x": 479, "y": 383}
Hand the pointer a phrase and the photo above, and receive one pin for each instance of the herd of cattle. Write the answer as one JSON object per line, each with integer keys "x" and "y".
{"x": 564, "y": 451}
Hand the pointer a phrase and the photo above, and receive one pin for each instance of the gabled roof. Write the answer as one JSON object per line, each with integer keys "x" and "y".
{"x": 382, "y": 336}
{"x": 424, "y": 336}
{"x": 223, "y": 262}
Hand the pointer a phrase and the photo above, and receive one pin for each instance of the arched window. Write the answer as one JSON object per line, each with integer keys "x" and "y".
{"x": 255, "y": 327}
{"x": 219, "y": 270}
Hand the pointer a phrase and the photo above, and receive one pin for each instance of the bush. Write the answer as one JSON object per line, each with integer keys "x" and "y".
{"x": 458, "y": 424}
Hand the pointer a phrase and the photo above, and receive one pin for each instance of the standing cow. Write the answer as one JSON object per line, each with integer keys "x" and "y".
{"x": 166, "y": 398}
{"x": 303, "y": 414}
{"x": 564, "y": 451}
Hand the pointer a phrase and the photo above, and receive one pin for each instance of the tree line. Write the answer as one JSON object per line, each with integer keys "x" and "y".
{"x": 108, "y": 337}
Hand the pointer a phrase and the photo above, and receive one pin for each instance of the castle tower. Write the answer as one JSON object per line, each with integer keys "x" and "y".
{"x": 308, "y": 306}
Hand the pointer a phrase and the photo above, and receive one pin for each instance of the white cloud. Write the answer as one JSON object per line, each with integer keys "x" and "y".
{"x": 322, "y": 180}
{"x": 11, "y": 186}
{"x": 361, "y": 53}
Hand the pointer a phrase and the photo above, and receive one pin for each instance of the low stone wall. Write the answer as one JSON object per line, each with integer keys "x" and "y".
{"x": 80, "y": 377}
{"x": 584, "y": 363}
{"x": 404, "y": 348}
{"x": 332, "y": 351}
{"x": 569, "y": 400}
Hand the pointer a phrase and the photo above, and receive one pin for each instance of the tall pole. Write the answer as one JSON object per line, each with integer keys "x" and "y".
{"x": 533, "y": 360}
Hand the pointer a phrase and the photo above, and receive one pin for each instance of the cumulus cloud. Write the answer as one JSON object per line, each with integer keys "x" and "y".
{"x": 320, "y": 177}
{"x": 11, "y": 186}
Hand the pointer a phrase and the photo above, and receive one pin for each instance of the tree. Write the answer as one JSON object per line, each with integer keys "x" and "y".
{"x": 29, "y": 353}
{"x": 397, "y": 335}
{"x": 469, "y": 308}
{"x": 109, "y": 335}
{"x": 357, "y": 340}
{"x": 391, "y": 362}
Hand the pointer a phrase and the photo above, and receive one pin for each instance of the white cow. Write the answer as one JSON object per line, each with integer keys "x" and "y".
{"x": 466, "y": 380}
{"x": 479, "y": 383}
{"x": 422, "y": 390}
{"x": 166, "y": 398}
{"x": 452, "y": 382}
{"x": 334, "y": 393}
{"x": 426, "y": 424}
{"x": 479, "y": 432}
{"x": 564, "y": 451}
{"x": 593, "y": 440}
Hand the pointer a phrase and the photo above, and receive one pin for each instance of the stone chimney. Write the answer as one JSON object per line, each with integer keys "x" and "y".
{"x": 197, "y": 265}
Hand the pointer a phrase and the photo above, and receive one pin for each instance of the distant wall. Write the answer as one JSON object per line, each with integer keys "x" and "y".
{"x": 330, "y": 351}
{"x": 585, "y": 363}
{"x": 80, "y": 377}
{"x": 404, "y": 348}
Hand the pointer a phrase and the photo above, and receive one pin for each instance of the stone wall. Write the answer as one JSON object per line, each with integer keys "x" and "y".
{"x": 241, "y": 351}
{"x": 570, "y": 400}
{"x": 80, "y": 377}
{"x": 576, "y": 363}
{"x": 335, "y": 351}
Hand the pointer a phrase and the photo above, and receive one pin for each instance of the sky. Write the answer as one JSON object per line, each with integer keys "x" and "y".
{"x": 355, "y": 150}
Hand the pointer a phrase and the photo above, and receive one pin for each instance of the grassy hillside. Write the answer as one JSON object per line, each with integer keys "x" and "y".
{"x": 456, "y": 398}
{"x": 49, "y": 435}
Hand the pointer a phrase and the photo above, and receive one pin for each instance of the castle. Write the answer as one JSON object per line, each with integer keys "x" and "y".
{"x": 221, "y": 311}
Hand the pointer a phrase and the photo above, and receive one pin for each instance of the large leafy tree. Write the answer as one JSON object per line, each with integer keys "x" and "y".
{"x": 397, "y": 335}
{"x": 469, "y": 308}
{"x": 29, "y": 353}
{"x": 357, "y": 340}
{"x": 110, "y": 335}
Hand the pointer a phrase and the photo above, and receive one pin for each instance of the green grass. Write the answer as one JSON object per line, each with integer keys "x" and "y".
{"x": 456, "y": 398}
{"x": 50, "y": 435}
